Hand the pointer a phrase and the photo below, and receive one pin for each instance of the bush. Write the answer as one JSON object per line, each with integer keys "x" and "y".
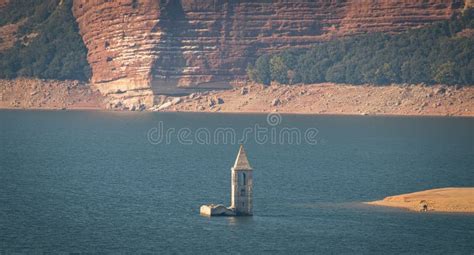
{"x": 261, "y": 71}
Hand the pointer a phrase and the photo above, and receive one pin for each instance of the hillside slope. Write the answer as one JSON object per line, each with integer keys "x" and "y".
{"x": 40, "y": 39}
{"x": 48, "y": 94}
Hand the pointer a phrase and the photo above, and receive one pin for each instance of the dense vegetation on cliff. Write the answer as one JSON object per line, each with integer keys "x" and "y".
{"x": 442, "y": 53}
{"x": 48, "y": 46}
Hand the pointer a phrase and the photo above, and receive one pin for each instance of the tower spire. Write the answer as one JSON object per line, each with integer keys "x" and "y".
{"x": 241, "y": 162}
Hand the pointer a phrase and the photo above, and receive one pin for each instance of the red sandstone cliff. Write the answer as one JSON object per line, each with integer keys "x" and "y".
{"x": 138, "y": 48}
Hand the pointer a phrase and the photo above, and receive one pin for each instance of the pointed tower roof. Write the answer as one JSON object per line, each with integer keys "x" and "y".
{"x": 241, "y": 162}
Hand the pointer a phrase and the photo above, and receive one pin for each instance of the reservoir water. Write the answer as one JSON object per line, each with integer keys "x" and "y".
{"x": 102, "y": 182}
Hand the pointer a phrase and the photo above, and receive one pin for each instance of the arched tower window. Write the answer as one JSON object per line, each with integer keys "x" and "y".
{"x": 244, "y": 181}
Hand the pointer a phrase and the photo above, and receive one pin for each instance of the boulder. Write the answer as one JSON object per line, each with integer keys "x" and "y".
{"x": 176, "y": 100}
{"x": 164, "y": 106}
{"x": 440, "y": 91}
{"x": 276, "y": 102}
{"x": 211, "y": 102}
{"x": 153, "y": 108}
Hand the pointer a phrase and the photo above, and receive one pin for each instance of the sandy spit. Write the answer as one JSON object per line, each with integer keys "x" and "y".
{"x": 456, "y": 200}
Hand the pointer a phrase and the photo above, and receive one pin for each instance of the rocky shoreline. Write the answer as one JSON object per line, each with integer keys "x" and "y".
{"x": 48, "y": 94}
{"x": 329, "y": 99}
{"x": 319, "y": 99}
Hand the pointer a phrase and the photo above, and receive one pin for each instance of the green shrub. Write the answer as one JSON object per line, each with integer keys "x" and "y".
{"x": 261, "y": 71}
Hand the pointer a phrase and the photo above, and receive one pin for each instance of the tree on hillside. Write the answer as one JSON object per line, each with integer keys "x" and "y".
{"x": 441, "y": 53}
{"x": 446, "y": 74}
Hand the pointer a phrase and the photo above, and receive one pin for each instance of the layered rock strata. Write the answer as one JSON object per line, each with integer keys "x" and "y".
{"x": 140, "y": 48}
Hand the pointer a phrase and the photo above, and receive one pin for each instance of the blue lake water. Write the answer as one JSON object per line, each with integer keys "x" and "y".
{"x": 73, "y": 181}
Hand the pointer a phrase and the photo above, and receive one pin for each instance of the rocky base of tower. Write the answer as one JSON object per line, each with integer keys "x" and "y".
{"x": 216, "y": 210}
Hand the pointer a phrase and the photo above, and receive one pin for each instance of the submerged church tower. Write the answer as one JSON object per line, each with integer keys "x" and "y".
{"x": 242, "y": 185}
{"x": 241, "y": 203}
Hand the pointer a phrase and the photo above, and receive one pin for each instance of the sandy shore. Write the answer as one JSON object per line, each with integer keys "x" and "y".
{"x": 459, "y": 200}
{"x": 331, "y": 99}
{"x": 318, "y": 99}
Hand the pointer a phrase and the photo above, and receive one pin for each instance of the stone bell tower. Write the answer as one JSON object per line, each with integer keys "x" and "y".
{"x": 242, "y": 185}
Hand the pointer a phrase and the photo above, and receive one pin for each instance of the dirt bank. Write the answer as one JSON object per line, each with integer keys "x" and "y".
{"x": 326, "y": 98}
{"x": 436, "y": 200}
{"x": 48, "y": 94}
{"x": 329, "y": 98}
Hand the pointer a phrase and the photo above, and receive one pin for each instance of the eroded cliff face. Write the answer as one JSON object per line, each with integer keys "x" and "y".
{"x": 140, "y": 48}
